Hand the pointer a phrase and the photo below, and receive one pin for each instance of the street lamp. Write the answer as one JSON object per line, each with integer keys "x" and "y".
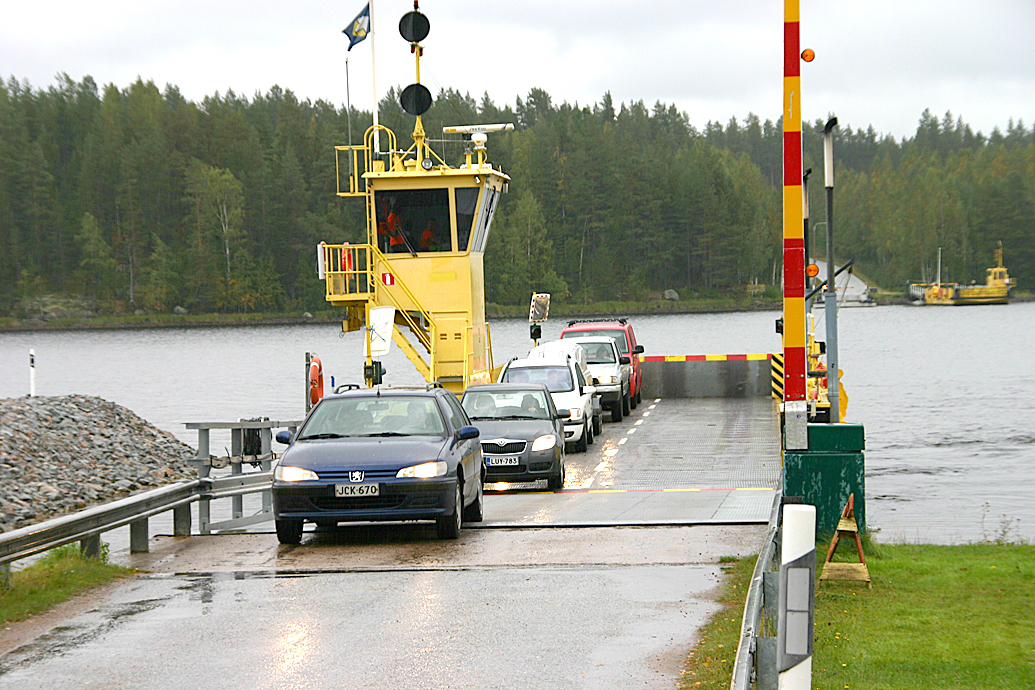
{"x": 830, "y": 301}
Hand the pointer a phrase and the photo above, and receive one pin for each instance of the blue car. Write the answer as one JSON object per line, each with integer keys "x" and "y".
{"x": 391, "y": 454}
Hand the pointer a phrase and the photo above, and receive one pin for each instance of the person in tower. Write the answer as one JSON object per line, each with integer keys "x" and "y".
{"x": 429, "y": 238}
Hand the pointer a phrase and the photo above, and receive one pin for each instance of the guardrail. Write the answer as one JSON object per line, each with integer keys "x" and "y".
{"x": 755, "y": 664}
{"x": 86, "y": 526}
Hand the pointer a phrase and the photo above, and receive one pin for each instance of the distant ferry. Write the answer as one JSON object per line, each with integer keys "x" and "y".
{"x": 996, "y": 290}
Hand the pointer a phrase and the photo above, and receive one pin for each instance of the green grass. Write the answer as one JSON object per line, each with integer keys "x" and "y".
{"x": 937, "y": 617}
{"x": 56, "y": 577}
{"x": 709, "y": 665}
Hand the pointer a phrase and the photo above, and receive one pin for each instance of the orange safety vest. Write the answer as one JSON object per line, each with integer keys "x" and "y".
{"x": 426, "y": 238}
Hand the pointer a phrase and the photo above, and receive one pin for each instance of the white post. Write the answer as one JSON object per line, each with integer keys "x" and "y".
{"x": 32, "y": 373}
{"x": 797, "y": 597}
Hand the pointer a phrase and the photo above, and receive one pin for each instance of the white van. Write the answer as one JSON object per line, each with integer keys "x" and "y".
{"x": 611, "y": 372}
{"x": 568, "y": 387}
{"x": 557, "y": 348}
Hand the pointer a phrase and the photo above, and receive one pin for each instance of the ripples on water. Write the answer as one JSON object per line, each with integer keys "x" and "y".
{"x": 947, "y": 395}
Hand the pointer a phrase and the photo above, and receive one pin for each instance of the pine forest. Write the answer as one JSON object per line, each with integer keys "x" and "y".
{"x": 140, "y": 199}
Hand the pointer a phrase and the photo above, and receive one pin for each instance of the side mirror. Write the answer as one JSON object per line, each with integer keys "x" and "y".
{"x": 623, "y": 359}
{"x": 283, "y": 437}
{"x": 638, "y": 349}
{"x": 467, "y": 432}
{"x": 563, "y": 414}
{"x": 596, "y": 381}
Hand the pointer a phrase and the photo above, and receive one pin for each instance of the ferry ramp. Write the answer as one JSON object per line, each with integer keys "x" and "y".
{"x": 674, "y": 461}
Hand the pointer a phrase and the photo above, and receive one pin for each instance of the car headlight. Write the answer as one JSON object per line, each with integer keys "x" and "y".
{"x": 576, "y": 414}
{"x": 425, "y": 470}
{"x": 606, "y": 379}
{"x": 286, "y": 473}
{"x": 544, "y": 443}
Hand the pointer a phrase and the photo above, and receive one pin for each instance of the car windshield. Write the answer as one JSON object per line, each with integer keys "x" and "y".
{"x": 599, "y": 353}
{"x": 394, "y": 415}
{"x": 617, "y": 334}
{"x": 557, "y": 379}
{"x": 511, "y": 404}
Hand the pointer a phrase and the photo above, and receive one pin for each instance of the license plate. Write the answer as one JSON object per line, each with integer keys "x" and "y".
{"x": 498, "y": 462}
{"x": 345, "y": 490}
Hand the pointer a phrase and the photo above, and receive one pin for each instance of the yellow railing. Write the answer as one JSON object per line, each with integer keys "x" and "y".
{"x": 351, "y": 275}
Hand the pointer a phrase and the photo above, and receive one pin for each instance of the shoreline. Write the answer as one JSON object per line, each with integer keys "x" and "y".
{"x": 492, "y": 312}
{"x": 236, "y": 320}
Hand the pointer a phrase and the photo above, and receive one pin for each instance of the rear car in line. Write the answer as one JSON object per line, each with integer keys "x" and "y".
{"x": 610, "y": 370}
{"x": 622, "y": 331}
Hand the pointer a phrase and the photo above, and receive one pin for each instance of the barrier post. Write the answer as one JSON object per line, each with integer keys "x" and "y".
{"x": 32, "y": 373}
{"x": 236, "y": 451}
{"x": 138, "y": 536}
{"x": 797, "y": 597}
{"x": 181, "y": 521}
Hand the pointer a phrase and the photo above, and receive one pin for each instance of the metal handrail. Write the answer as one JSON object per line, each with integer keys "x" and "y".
{"x": 745, "y": 662}
{"x": 34, "y": 539}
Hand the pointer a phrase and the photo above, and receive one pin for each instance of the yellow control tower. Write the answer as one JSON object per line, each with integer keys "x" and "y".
{"x": 427, "y": 226}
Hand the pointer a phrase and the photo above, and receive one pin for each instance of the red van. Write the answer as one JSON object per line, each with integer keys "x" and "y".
{"x": 622, "y": 331}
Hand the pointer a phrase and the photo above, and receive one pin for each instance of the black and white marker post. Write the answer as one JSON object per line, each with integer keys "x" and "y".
{"x": 797, "y": 597}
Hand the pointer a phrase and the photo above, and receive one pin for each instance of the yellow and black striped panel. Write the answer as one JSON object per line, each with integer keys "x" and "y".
{"x": 777, "y": 360}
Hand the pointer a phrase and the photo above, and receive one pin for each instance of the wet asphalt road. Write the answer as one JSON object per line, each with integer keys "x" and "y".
{"x": 508, "y": 606}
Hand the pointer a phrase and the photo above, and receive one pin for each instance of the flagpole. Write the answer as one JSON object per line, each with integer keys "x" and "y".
{"x": 373, "y": 80}
{"x": 348, "y": 110}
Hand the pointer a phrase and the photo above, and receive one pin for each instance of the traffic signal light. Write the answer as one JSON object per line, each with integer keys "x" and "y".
{"x": 374, "y": 372}
{"x": 535, "y": 331}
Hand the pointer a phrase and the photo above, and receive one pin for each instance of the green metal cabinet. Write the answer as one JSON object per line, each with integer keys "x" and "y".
{"x": 826, "y": 473}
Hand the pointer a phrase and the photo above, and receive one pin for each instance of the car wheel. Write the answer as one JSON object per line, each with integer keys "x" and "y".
{"x": 448, "y": 526}
{"x": 625, "y": 404}
{"x": 597, "y": 424}
{"x": 588, "y": 434}
{"x": 632, "y": 400}
{"x": 289, "y": 531}
{"x": 616, "y": 412}
{"x": 638, "y": 398}
{"x": 580, "y": 445}
{"x": 556, "y": 482}
{"x": 476, "y": 511}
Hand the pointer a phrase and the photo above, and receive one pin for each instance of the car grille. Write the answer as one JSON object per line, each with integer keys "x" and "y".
{"x": 357, "y": 502}
{"x": 342, "y": 476}
{"x": 493, "y": 470}
{"x": 508, "y": 447}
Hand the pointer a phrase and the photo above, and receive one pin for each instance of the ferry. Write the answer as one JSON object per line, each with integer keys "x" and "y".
{"x": 996, "y": 290}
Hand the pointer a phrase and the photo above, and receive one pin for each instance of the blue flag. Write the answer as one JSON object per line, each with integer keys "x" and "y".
{"x": 359, "y": 28}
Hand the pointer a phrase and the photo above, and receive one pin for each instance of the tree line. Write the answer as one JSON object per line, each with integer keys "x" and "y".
{"x": 142, "y": 199}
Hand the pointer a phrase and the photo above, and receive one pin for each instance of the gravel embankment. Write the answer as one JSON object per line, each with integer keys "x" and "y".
{"x": 61, "y": 454}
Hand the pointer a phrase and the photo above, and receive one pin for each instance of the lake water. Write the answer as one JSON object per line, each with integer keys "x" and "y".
{"x": 947, "y": 395}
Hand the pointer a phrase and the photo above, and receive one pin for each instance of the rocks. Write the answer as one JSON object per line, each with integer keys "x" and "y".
{"x": 180, "y": 311}
{"x": 61, "y": 454}
{"x": 671, "y": 295}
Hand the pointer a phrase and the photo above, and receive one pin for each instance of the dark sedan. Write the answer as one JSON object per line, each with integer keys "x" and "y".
{"x": 522, "y": 432}
{"x": 380, "y": 454}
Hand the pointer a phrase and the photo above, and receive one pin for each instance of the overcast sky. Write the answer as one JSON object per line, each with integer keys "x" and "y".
{"x": 879, "y": 62}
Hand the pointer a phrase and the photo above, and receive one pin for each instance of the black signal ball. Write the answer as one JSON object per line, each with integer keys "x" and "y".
{"x": 415, "y": 99}
{"x": 414, "y": 26}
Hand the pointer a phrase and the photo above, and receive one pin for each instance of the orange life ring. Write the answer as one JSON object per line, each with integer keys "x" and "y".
{"x": 346, "y": 258}
{"x": 315, "y": 380}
